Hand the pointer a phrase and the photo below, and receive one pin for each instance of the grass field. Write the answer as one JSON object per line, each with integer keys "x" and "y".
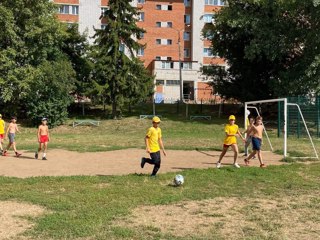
{"x": 249, "y": 203}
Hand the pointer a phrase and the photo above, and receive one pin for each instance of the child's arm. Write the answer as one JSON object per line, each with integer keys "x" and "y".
{"x": 38, "y": 134}
{"x": 17, "y": 129}
{"x": 239, "y": 133}
{"x": 147, "y": 144}
{"x": 5, "y": 136}
{"x": 162, "y": 146}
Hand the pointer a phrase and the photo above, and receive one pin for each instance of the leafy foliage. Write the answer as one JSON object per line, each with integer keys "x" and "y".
{"x": 271, "y": 47}
{"x": 119, "y": 74}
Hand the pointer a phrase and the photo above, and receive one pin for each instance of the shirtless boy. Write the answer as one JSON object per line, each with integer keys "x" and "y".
{"x": 11, "y": 133}
{"x": 43, "y": 138}
{"x": 256, "y": 131}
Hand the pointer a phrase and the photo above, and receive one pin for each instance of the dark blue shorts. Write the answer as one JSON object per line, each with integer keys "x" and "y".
{"x": 256, "y": 143}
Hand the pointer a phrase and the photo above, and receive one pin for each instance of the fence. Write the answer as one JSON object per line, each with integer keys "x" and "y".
{"x": 310, "y": 107}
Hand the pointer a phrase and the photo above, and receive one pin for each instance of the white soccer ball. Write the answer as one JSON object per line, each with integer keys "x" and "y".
{"x": 178, "y": 180}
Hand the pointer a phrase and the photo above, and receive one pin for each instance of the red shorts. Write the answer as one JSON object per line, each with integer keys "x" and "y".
{"x": 44, "y": 139}
{"x": 1, "y": 136}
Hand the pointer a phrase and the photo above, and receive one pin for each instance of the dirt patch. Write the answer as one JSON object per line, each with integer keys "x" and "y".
{"x": 120, "y": 162}
{"x": 13, "y": 219}
{"x": 233, "y": 218}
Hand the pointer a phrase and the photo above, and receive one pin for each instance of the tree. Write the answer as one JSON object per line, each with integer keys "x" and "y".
{"x": 119, "y": 75}
{"x": 271, "y": 47}
{"x": 31, "y": 56}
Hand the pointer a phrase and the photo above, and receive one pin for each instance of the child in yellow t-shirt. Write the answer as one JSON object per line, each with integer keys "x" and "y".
{"x": 2, "y": 127}
{"x": 153, "y": 142}
{"x": 231, "y": 130}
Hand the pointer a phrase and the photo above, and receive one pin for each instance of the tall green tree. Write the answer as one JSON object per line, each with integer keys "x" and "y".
{"x": 31, "y": 40}
{"x": 271, "y": 47}
{"x": 119, "y": 74}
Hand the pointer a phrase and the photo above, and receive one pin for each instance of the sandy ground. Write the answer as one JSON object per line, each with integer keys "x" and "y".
{"x": 120, "y": 162}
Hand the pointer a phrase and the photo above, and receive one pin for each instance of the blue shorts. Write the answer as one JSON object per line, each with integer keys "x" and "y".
{"x": 256, "y": 143}
{"x": 11, "y": 137}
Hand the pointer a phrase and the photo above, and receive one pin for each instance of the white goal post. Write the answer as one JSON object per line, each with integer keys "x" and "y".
{"x": 285, "y": 135}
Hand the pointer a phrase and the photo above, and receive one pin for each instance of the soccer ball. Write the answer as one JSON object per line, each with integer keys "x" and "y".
{"x": 178, "y": 180}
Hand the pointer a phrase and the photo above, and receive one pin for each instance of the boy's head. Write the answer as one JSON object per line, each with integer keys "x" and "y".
{"x": 44, "y": 121}
{"x": 156, "y": 121}
{"x": 13, "y": 119}
{"x": 232, "y": 119}
{"x": 259, "y": 120}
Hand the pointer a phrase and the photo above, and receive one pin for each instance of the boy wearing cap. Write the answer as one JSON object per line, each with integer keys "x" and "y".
{"x": 11, "y": 133}
{"x": 232, "y": 131}
{"x": 2, "y": 127}
{"x": 43, "y": 138}
{"x": 153, "y": 141}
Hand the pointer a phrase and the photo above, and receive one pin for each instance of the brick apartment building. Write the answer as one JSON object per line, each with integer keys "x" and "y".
{"x": 168, "y": 24}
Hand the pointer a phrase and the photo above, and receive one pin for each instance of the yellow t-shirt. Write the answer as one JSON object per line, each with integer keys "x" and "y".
{"x": 231, "y": 129}
{"x": 154, "y": 134}
{"x": 2, "y": 123}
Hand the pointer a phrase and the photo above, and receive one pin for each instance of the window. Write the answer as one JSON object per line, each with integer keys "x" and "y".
{"x": 214, "y": 2}
{"x": 141, "y": 16}
{"x": 158, "y": 24}
{"x": 186, "y": 52}
{"x": 159, "y": 82}
{"x": 141, "y": 1}
{"x": 103, "y": 10}
{"x": 140, "y": 52}
{"x": 207, "y": 52}
{"x": 169, "y": 58}
{"x": 158, "y": 58}
{"x": 158, "y": 41}
{"x": 173, "y": 82}
{"x": 186, "y": 36}
{"x": 169, "y": 42}
{"x": 187, "y": 19}
{"x": 169, "y": 24}
{"x": 208, "y": 18}
{"x": 75, "y": 10}
{"x": 158, "y": 7}
{"x": 140, "y": 35}
{"x": 103, "y": 26}
{"x": 186, "y": 65}
{"x": 208, "y": 34}
{"x": 167, "y": 65}
{"x": 121, "y": 47}
{"x": 187, "y": 3}
{"x": 169, "y": 7}
{"x": 64, "y": 9}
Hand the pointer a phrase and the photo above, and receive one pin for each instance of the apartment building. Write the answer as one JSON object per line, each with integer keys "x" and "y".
{"x": 173, "y": 35}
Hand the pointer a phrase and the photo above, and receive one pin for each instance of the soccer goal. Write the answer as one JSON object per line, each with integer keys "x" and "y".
{"x": 284, "y": 112}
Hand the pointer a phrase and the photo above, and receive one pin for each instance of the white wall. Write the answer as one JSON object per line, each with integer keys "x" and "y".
{"x": 197, "y": 26}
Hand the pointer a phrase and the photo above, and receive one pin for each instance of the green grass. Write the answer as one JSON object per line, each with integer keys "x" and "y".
{"x": 79, "y": 208}
{"x": 178, "y": 133}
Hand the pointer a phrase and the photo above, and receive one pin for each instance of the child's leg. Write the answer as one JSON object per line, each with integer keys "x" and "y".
{"x": 246, "y": 146}
{"x": 252, "y": 154}
{"x": 14, "y": 147}
{"x": 1, "y": 142}
{"x": 224, "y": 150}
{"x": 260, "y": 157}
{"x": 45, "y": 146}
{"x": 236, "y": 151}
{"x": 157, "y": 163}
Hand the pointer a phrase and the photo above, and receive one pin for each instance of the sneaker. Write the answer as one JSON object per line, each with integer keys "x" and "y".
{"x": 263, "y": 166}
{"x": 218, "y": 165}
{"x": 236, "y": 165}
{"x": 18, "y": 154}
{"x": 143, "y": 162}
{"x": 36, "y": 155}
{"x": 44, "y": 158}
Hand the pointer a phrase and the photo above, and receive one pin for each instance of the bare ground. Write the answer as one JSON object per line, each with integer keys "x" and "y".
{"x": 232, "y": 218}
{"x": 120, "y": 162}
{"x": 13, "y": 219}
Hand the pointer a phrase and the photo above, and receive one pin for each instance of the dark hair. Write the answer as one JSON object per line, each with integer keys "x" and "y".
{"x": 13, "y": 117}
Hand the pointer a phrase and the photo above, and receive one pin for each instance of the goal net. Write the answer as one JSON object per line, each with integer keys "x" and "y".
{"x": 277, "y": 124}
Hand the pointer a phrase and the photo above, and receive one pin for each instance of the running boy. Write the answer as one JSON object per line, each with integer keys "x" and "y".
{"x": 11, "y": 133}
{"x": 232, "y": 131}
{"x": 257, "y": 130}
{"x": 2, "y": 127}
{"x": 153, "y": 142}
{"x": 43, "y": 138}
